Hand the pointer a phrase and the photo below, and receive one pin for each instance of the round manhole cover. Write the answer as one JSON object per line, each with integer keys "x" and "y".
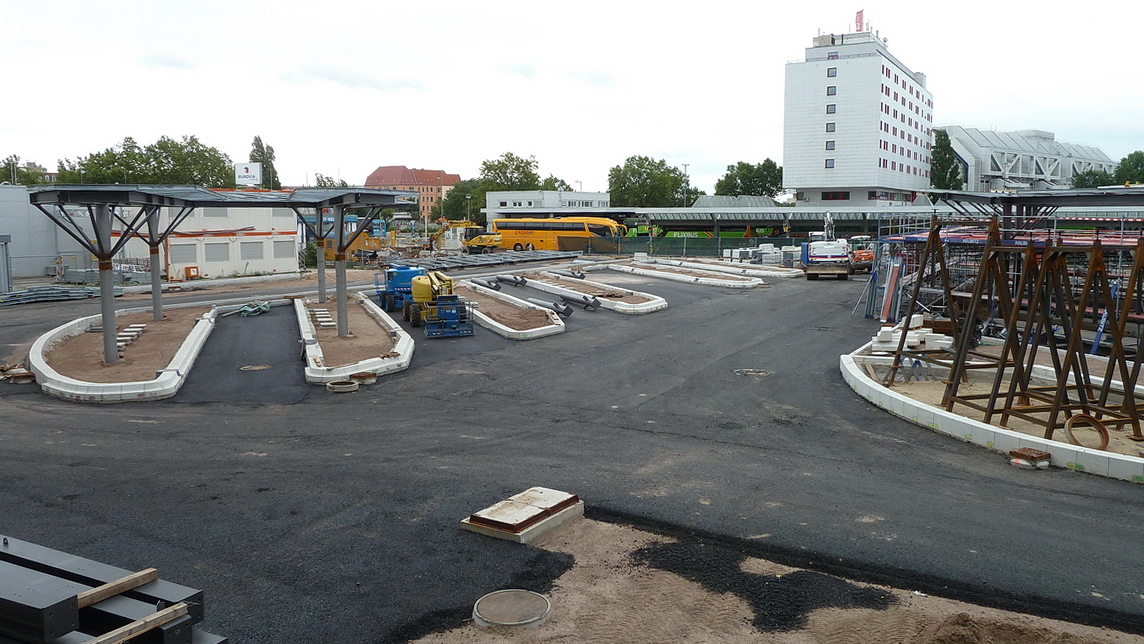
{"x": 513, "y": 608}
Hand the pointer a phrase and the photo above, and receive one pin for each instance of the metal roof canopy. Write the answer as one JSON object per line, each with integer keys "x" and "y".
{"x": 1031, "y": 206}
{"x": 105, "y": 203}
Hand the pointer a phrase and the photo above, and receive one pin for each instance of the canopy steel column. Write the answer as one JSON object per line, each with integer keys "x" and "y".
{"x": 340, "y": 272}
{"x": 106, "y": 282}
{"x": 154, "y": 239}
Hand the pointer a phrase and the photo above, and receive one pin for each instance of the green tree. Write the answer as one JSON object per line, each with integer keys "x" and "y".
{"x": 645, "y": 182}
{"x": 1091, "y": 179}
{"x": 764, "y": 180}
{"x": 510, "y": 172}
{"x": 12, "y": 171}
{"x": 464, "y": 201}
{"x": 1131, "y": 169}
{"x": 165, "y": 162}
{"x": 264, "y": 154}
{"x": 555, "y": 183}
{"x": 945, "y": 170}
{"x": 322, "y": 181}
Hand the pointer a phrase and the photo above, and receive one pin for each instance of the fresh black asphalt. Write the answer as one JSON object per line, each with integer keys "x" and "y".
{"x": 721, "y": 420}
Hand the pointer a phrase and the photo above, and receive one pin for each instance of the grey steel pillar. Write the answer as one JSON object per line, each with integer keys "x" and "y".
{"x": 340, "y": 272}
{"x": 321, "y": 260}
{"x": 106, "y": 283}
{"x": 156, "y": 269}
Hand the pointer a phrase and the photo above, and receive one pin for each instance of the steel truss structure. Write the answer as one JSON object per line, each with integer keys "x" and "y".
{"x": 1036, "y": 293}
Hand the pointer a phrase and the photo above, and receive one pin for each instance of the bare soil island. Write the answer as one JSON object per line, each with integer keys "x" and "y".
{"x": 618, "y": 591}
{"x": 81, "y": 356}
{"x": 367, "y": 338}
{"x": 513, "y": 317}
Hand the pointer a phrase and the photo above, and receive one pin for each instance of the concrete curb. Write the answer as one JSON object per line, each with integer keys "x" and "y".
{"x": 654, "y": 303}
{"x": 1081, "y": 459}
{"x": 751, "y": 282}
{"x": 166, "y": 383}
{"x": 556, "y": 326}
{"x": 318, "y": 374}
{"x": 731, "y": 269}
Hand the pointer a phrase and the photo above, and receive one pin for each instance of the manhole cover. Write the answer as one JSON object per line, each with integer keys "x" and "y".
{"x": 513, "y": 608}
{"x": 752, "y": 372}
{"x": 254, "y": 367}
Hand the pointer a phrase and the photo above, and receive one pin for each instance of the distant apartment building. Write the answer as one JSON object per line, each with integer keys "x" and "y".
{"x": 431, "y": 186}
{"x": 545, "y": 203}
{"x": 858, "y": 126}
{"x": 1024, "y": 160}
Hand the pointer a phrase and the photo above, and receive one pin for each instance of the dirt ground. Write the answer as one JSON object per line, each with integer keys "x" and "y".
{"x": 931, "y": 393}
{"x": 514, "y": 317}
{"x": 81, "y": 356}
{"x": 620, "y": 590}
{"x": 616, "y": 295}
{"x": 678, "y": 270}
{"x": 367, "y": 338}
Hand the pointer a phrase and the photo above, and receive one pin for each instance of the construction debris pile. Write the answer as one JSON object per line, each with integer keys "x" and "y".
{"x": 51, "y": 597}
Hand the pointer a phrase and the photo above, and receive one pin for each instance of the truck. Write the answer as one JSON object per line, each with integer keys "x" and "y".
{"x": 862, "y": 253}
{"x": 436, "y": 307}
{"x": 397, "y": 286}
{"x": 825, "y": 255}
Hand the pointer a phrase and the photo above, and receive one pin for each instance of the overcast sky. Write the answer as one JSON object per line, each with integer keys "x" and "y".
{"x": 341, "y": 87}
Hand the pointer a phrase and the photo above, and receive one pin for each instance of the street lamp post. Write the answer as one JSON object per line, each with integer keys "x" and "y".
{"x": 468, "y": 204}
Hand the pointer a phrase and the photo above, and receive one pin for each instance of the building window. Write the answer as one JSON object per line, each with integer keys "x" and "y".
{"x": 836, "y": 196}
{"x": 800, "y": 196}
{"x": 830, "y": 163}
{"x": 831, "y": 72}
{"x": 831, "y": 108}
{"x": 831, "y": 90}
{"x": 832, "y": 55}
{"x": 830, "y": 145}
{"x": 503, "y": 204}
{"x": 830, "y": 127}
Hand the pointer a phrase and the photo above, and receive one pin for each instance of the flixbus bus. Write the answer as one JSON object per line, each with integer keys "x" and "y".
{"x": 542, "y": 234}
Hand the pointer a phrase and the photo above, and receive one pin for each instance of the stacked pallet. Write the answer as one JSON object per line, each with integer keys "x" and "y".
{"x": 51, "y": 597}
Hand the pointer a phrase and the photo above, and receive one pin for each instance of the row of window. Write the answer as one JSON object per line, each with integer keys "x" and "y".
{"x": 894, "y": 166}
{"x": 893, "y": 113}
{"x": 872, "y": 195}
{"x": 901, "y": 82}
{"x": 894, "y": 148}
{"x": 909, "y": 105}
{"x": 907, "y": 136}
{"x": 220, "y": 251}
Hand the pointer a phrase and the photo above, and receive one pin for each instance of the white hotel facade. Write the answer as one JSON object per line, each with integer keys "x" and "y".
{"x": 858, "y": 125}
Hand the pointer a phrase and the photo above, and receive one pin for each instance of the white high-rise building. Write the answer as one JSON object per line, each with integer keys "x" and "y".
{"x": 858, "y": 128}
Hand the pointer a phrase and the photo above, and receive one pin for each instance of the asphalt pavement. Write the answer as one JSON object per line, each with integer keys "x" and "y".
{"x": 723, "y": 419}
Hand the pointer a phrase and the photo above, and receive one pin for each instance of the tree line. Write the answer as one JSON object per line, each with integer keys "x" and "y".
{"x": 184, "y": 162}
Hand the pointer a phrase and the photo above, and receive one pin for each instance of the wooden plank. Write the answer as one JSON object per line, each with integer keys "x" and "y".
{"x": 134, "y": 580}
{"x": 141, "y": 626}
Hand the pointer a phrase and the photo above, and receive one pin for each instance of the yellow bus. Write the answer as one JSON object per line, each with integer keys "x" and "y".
{"x": 543, "y": 234}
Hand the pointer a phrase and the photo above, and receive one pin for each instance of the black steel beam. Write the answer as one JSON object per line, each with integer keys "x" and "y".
{"x": 93, "y": 573}
{"x": 36, "y": 606}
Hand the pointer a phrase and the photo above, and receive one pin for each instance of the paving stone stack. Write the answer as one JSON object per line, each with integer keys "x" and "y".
{"x": 51, "y": 597}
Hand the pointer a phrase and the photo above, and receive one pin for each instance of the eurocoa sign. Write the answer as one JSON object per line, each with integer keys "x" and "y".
{"x": 248, "y": 174}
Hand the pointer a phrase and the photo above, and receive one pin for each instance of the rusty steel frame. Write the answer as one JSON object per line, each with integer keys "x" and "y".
{"x": 1045, "y": 297}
